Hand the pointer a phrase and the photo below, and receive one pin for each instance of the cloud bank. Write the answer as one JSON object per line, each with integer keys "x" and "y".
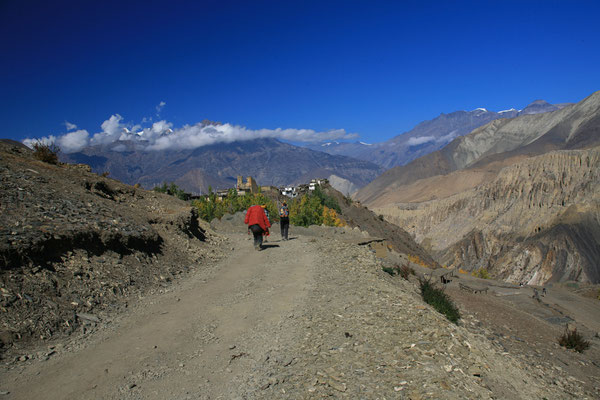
{"x": 415, "y": 141}
{"x": 161, "y": 135}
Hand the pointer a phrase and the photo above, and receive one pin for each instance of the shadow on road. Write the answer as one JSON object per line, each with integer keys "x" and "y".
{"x": 267, "y": 246}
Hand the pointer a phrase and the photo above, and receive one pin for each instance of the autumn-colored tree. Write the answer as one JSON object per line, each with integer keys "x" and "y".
{"x": 330, "y": 217}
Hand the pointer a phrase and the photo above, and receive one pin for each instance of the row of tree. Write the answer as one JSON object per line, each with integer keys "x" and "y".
{"x": 314, "y": 208}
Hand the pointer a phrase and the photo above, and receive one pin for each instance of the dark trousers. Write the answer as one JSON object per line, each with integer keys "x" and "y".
{"x": 257, "y": 231}
{"x": 285, "y": 225}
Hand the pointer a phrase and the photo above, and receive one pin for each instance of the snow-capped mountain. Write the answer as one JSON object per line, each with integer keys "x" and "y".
{"x": 428, "y": 136}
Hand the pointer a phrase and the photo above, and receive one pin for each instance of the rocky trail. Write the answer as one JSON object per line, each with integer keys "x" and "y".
{"x": 311, "y": 317}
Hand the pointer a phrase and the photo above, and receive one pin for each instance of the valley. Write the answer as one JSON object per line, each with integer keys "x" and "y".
{"x": 113, "y": 291}
{"x": 517, "y": 197}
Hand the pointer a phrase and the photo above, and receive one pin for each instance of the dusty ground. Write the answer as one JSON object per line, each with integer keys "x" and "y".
{"x": 306, "y": 318}
{"x": 178, "y": 343}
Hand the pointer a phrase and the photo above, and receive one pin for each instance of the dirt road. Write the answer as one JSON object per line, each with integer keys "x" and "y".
{"x": 311, "y": 317}
{"x": 182, "y": 342}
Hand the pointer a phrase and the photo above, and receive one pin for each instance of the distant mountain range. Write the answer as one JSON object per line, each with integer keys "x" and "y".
{"x": 518, "y": 197}
{"x": 269, "y": 161}
{"x": 428, "y": 136}
{"x": 349, "y": 166}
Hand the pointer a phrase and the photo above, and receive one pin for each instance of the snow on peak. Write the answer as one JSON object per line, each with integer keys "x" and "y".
{"x": 366, "y": 144}
{"x": 480, "y": 109}
{"x": 505, "y": 111}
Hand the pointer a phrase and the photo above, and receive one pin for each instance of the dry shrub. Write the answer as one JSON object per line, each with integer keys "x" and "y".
{"x": 46, "y": 152}
{"x": 571, "y": 339}
{"x": 405, "y": 271}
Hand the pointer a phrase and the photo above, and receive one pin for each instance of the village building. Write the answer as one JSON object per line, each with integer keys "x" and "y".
{"x": 222, "y": 193}
{"x": 289, "y": 191}
{"x": 249, "y": 187}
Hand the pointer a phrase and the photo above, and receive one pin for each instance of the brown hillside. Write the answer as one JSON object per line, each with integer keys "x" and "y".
{"x": 538, "y": 221}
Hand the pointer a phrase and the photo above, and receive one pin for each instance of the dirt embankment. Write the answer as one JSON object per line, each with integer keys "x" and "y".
{"x": 75, "y": 246}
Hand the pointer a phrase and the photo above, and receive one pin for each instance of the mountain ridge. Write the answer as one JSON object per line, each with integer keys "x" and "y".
{"x": 430, "y": 135}
{"x": 269, "y": 161}
{"x": 571, "y": 127}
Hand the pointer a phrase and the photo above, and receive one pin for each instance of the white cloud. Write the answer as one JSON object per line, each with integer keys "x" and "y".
{"x": 112, "y": 130}
{"x": 67, "y": 143}
{"x": 70, "y": 126}
{"x": 414, "y": 141}
{"x": 159, "y": 107}
{"x": 193, "y": 136}
{"x": 47, "y": 140}
{"x": 447, "y": 138}
{"x": 162, "y": 136}
{"x": 74, "y": 141}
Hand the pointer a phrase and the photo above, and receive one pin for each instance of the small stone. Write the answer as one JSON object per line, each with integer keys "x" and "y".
{"x": 339, "y": 386}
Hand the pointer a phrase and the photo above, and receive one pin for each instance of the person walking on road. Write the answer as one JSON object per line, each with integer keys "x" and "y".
{"x": 284, "y": 220}
{"x": 265, "y": 234}
{"x": 258, "y": 224}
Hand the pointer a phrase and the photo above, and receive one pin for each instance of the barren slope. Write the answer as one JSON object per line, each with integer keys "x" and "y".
{"x": 538, "y": 221}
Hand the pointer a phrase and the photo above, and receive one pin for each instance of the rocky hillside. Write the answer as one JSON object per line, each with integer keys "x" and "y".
{"x": 538, "y": 221}
{"x": 269, "y": 161}
{"x": 74, "y": 245}
{"x": 491, "y": 146}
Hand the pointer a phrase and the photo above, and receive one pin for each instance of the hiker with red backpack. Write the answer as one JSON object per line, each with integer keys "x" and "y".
{"x": 284, "y": 220}
{"x": 258, "y": 224}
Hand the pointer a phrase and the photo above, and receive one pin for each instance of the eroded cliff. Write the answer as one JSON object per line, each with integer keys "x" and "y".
{"x": 537, "y": 221}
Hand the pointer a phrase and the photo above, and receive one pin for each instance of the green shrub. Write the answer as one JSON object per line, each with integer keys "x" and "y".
{"x": 46, "y": 152}
{"x": 439, "y": 300}
{"x": 481, "y": 273}
{"x": 306, "y": 210}
{"x": 404, "y": 271}
{"x": 171, "y": 189}
{"x": 210, "y": 207}
{"x": 573, "y": 340}
{"x": 326, "y": 200}
{"x": 391, "y": 270}
{"x": 348, "y": 199}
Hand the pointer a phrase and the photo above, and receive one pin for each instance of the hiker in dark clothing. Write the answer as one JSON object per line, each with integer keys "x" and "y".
{"x": 258, "y": 223}
{"x": 284, "y": 220}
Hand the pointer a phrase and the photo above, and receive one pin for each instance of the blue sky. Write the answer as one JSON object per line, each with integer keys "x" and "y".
{"x": 370, "y": 68}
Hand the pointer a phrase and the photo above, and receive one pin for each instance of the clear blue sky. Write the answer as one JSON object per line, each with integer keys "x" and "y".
{"x": 368, "y": 67}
